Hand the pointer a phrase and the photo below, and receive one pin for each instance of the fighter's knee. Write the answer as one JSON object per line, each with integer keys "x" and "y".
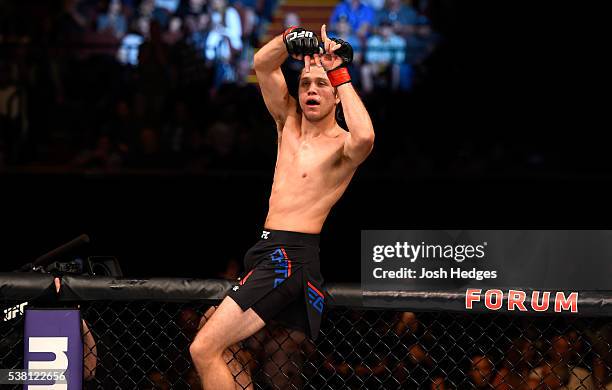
{"x": 201, "y": 350}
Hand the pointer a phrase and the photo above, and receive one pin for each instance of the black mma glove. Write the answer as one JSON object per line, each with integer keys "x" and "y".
{"x": 299, "y": 41}
{"x": 340, "y": 75}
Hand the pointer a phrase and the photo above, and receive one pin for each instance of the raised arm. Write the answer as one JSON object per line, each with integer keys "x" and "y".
{"x": 267, "y": 62}
{"x": 359, "y": 142}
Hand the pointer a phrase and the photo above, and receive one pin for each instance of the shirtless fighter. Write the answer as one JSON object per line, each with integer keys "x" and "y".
{"x": 316, "y": 160}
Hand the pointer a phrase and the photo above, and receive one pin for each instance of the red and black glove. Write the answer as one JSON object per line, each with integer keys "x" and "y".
{"x": 340, "y": 75}
{"x": 301, "y": 42}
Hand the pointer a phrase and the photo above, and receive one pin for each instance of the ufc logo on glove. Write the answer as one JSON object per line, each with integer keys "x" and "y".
{"x": 299, "y": 34}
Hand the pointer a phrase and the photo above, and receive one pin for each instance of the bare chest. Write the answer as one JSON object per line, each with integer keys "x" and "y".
{"x": 308, "y": 159}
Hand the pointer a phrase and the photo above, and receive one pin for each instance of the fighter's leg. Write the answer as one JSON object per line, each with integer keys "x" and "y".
{"x": 227, "y": 326}
{"x": 237, "y": 359}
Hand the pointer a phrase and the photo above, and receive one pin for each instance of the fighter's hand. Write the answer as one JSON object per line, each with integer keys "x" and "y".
{"x": 335, "y": 58}
{"x": 301, "y": 44}
{"x": 336, "y": 53}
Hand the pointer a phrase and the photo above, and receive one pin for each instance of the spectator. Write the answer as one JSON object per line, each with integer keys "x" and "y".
{"x": 402, "y": 16}
{"x": 224, "y": 41}
{"x": 601, "y": 374}
{"x": 407, "y": 321}
{"x": 377, "y": 5}
{"x": 175, "y": 31}
{"x": 146, "y": 9}
{"x": 556, "y": 372}
{"x": 162, "y": 15}
{"x": 384, "y": 54}
{"x": 517, "y": 362}
{"x": 283, "y": 358}
{"x": 291, "y": 19}
{"x": 129, "y": 48}
{"x": 170, "y": 6}
{"x": 246, "y": 10}
{"x": 225, "y": 36}
{"x": 113, "y": 21}
{"x": 360, "y": 16}
{"x": 104, "y": 155}
{"x": 198, "y": 28}
{"x": 481, "y": 371}
{"x": 344, "y": 31}
{"x": 192, "y": 8}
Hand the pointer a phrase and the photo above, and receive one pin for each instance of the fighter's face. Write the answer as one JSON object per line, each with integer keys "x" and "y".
{"x": 317, "y": 96}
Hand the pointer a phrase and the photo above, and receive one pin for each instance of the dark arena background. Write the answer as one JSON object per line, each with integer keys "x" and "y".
{"x": 140, "y": 124}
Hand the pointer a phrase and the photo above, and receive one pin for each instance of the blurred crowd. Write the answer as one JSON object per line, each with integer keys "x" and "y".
{"x": 115, "y": 85}
{"x": 438, "y": 352}
{"x": 391, "y": 40}
{"x": 121, "y": 84}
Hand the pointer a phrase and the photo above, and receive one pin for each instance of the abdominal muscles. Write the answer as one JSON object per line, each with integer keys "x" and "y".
{"x": 301, "y": 201}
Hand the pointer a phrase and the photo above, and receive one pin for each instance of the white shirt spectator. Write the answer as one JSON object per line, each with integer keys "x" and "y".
{"x": 128, "y": 51}
{"x": 217, "y": 41}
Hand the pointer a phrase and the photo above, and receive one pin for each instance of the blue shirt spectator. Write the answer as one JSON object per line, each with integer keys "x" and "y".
{"x": 359, "y": 15}
{"x": 169, "y": 5}
{"x": 386, "y": 49}
{"x": 343, "y": 31}
{"x": 384, "y": 57}
{"x": 401, "y": 16}
{"x": 376, "y": 4}
{"x": 113, "y": 21}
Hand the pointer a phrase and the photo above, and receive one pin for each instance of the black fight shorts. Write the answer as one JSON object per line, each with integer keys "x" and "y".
{"x": 283, "y": 281}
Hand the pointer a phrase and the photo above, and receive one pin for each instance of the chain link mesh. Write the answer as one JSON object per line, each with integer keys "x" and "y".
{"x": 145, "y": 345}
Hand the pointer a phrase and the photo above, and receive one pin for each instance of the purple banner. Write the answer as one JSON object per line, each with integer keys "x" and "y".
{"x": 53, "y": 343}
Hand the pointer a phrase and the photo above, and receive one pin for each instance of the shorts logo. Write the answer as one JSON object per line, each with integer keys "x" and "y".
{"x": 282, "y": 265}
{"x": 265, "y": 234}
{"x": 235, "y": 288}
{"x": 315, "y": 298}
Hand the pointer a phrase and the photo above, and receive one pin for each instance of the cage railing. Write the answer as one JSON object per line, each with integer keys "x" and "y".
{"x": 137, "y": 334}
